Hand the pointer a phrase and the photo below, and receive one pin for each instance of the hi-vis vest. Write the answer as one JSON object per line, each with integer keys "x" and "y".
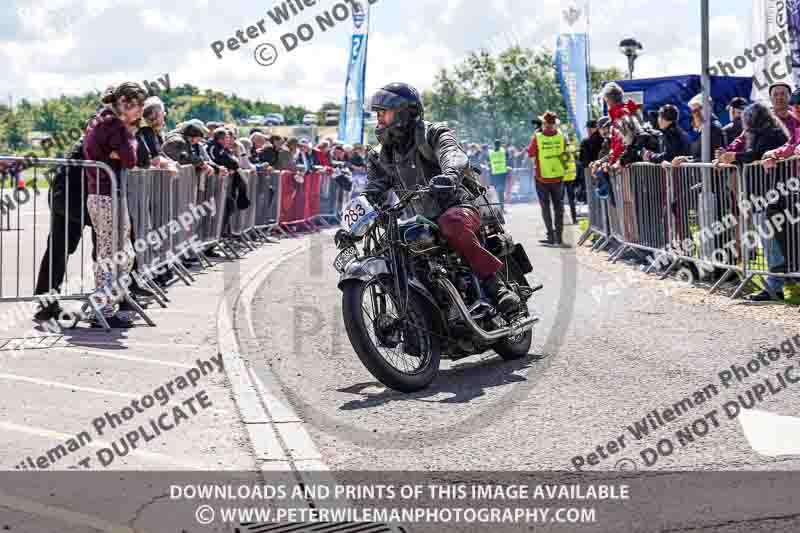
{"x": 497, "y": 160}
{"x": 569, "y": 170}
{"x": 551, "y": 153}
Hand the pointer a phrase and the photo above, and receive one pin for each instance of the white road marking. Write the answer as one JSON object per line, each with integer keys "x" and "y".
{"x": 63, "y": 437}
{"x": 770, "y": 434}
{"x": 55, "y": 384}
{"x": 139, "y": 344}
{"x": 112, "y": 355}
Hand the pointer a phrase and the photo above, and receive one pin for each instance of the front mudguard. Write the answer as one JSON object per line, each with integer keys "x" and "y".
{"x": 366, "y": 269}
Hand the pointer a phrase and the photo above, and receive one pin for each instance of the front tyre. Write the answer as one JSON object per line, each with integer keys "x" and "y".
{"x": 403, "y": 354}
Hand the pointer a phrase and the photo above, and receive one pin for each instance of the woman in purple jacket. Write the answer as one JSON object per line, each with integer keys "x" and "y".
{"x": 110, "y": 138}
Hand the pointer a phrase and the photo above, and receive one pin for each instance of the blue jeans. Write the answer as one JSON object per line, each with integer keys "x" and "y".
{"x": 498, "y": 181}
{"x": 775, "y": 257}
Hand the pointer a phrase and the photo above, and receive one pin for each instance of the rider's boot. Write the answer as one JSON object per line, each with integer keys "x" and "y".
{"x": 506, "y": 301}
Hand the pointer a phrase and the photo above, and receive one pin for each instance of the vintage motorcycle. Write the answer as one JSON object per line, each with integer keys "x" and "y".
{"x": 409, "y": 301}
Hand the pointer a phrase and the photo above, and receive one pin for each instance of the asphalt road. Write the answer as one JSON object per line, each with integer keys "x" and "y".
{"x": 600, "y": 360}
{"x": 604, "y": 356}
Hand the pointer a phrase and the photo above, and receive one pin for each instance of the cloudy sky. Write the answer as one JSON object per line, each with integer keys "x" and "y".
{"x": 53, "y": 47}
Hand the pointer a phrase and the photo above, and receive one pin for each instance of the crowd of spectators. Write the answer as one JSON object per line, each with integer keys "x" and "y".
{"x": 756, "y": 132}
{"x": 128, "y": 131}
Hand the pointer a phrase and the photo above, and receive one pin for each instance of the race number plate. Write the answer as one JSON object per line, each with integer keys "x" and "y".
{"x": 344, "y": 257}
{"x": 357, "y": 209}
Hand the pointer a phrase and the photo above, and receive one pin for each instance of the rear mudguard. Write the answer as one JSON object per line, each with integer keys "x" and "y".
{"x": 365, "y": 270}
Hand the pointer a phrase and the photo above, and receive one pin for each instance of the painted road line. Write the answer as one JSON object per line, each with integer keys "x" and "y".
{"x": 63, "y": 437}
{"x": 269, "y": 441}
{"x": 132, "y": 358}
{"x": 770, "y": 434}
{"x": 58, "y": 385}
{"x": 116, "y": 345}
{"x": 298, "y": 446}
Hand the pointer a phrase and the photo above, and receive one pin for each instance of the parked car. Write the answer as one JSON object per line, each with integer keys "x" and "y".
{"x": 255, "y": 120}
{"x": 310, "y": 119}
{"x": 274, "y": 119}
{"x": 332, "y": 117}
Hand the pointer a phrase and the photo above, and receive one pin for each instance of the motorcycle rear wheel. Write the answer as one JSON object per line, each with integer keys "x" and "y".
{"x": 517, "y": 347}
{"x": 373, "y": 344}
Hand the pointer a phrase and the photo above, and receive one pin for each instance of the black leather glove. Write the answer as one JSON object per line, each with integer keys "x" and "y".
{"x": 443, "y": 191}
{"x": 441, "y": 181}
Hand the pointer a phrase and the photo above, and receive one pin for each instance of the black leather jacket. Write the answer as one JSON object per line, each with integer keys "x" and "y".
{"x": 403, "y": 169}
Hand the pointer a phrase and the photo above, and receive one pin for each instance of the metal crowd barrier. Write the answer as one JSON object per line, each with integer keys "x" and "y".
{"x": 174, "y": 217}
{"x": 35, "y": 261}
{"x": 243, "y": 222}
{"x": 715, "y": 217}
{"x": 769, "y": 206}
{"x": 333, "y": 197}
{"x": 266, "y": 199}
{"x": 598, "y": 217}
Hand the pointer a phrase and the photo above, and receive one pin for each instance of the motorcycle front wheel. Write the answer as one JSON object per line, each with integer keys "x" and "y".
{"x": 400, "y": 351}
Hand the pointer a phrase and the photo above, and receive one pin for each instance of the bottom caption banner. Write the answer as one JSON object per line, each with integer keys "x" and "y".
{"x": 396, "y": 501}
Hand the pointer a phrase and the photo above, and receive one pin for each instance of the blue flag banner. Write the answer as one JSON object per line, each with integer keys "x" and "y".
{"x": 571, "y": 72}
{"x": 351, "y": 120}
{"x": 571, "y": 62}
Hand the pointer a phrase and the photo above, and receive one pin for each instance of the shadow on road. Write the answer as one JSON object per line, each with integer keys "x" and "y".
{"x": 465, "y": 382}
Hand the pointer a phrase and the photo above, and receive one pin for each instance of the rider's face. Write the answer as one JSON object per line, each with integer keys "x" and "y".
{"x": 385, "y": 116}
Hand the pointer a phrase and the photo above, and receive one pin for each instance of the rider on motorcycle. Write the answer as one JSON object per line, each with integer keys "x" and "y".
{"x": 413, "y": 153}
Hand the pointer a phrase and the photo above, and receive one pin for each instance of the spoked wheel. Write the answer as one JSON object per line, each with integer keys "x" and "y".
{"x": 400, "y": 351}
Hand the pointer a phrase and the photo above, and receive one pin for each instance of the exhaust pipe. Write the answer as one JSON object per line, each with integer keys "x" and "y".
{"x": 526, "y": 324}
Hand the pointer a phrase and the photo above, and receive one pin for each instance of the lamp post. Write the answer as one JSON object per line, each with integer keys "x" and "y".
{"x": 632, "y": 49}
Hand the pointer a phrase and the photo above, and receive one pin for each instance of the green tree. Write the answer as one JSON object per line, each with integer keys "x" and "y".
{"x": 16, "y": 134}
{"x": 495, "y": 96}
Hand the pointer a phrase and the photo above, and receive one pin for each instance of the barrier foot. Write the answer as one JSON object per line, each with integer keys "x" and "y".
{"x": 224, "y": 250}
{"x": 98, "y": 314}
{"x": 604, "y": 245}
{"x": 584, "y": 237}
{"x": 253, "y": 235}
{"x": 265, "y": 238}
{"x": 157, "y": 293}
{"x": 741, "y": 287}
{"x": 650, "y": 268}
{"x": 280, "y": 230}
{"x": 185, "y": 271}
{"x": 230, "y": 248}
{"x": 284, "y": 228}
{"x": 138, "y": 308}
{"x": 618, "y": 254}
{"x": 203, "y": 258}
{"x": 246, "y": 241}
{"x": 178, "y": 269}
{"x": 668, "y": 271}
{"x": 720, "y": 281}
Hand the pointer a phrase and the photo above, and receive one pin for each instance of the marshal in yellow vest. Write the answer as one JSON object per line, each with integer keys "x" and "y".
{"x": 570, "y": 171}
{"x": 497, "y": 160}
{"x": 551, "y": 155}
